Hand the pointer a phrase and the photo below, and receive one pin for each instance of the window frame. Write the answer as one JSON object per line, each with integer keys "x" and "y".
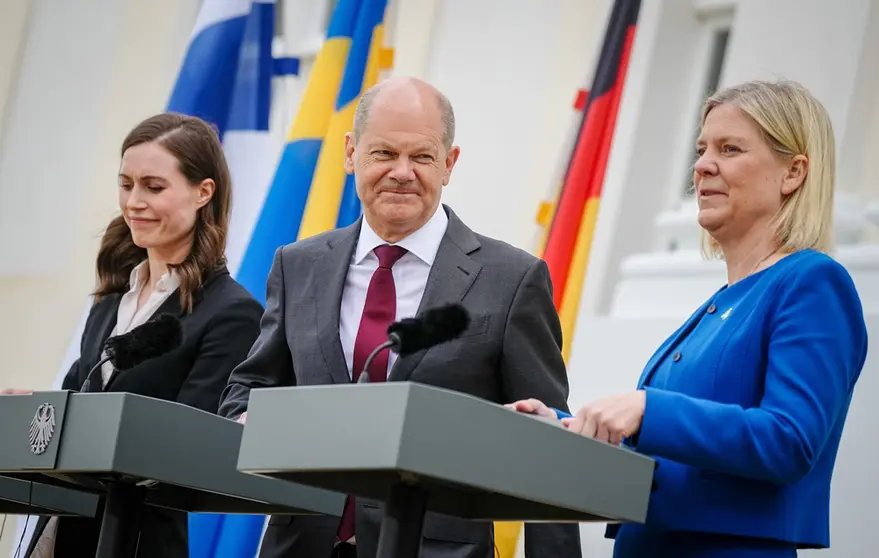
{"x": 714, "y": 17}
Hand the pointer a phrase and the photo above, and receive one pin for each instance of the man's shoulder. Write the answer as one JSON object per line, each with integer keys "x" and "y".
{"x": 499, "y": 252}
{"x": 485, "y": 249}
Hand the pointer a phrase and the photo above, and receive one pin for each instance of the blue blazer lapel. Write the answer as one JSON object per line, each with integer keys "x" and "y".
{"x": 670, "y": 343}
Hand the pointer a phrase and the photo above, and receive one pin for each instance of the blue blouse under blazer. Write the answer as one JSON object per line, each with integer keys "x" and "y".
{"x": 746, "y": 404}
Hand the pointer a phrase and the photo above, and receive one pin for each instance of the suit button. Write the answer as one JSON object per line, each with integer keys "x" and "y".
{"x": 676, "y": 357}
{"x": 712, "y": 309}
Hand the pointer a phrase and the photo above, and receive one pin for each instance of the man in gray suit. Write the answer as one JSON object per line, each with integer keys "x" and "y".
{"x": 331, "y": 297}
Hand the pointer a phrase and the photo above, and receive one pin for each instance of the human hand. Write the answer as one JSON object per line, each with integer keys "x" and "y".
{"x": 15, "y": 391}
{"x": 531, "y": 407}
{"x": 242, "y": 418}
{"x": 611, "y": 419}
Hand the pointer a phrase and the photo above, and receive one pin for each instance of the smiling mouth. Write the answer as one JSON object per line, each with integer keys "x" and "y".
{"x": 397, "y": 193}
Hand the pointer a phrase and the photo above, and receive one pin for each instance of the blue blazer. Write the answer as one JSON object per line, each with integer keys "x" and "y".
{"x": 746, "y": 404}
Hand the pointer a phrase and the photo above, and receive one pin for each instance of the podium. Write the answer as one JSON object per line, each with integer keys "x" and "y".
{"x": 20, "y": 497}
{"x": 137, "y": 451}
{"x": 420, "y": 448}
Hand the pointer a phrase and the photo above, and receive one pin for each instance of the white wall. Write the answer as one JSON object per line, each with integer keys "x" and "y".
{"x": 88, "y": 71}
{"x": 511, "y": 70}
{"x": 654, "y": 127}
{"x": 13, "y": 26}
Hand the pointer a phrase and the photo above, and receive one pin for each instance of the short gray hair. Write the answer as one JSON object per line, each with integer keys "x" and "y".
{"x": 361, "y": 115}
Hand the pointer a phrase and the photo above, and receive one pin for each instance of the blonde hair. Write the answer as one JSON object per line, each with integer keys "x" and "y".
{"x": 793, "y": 122}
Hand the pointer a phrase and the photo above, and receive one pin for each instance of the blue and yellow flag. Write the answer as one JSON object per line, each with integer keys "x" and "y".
{"x": 310, "y": 192}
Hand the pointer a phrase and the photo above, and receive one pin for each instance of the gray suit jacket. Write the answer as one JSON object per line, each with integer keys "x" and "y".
{"x": 510, "y": 351}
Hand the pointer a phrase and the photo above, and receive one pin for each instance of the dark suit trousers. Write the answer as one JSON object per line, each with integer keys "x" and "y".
{"x": 315, "y": 537}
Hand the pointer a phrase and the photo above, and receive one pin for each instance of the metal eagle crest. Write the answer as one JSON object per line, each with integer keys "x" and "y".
{"x": 42, "y": 428}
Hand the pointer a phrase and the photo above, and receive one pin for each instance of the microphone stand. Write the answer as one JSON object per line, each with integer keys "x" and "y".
{"x": 123, "y": 503}
{"x": 88, "y": 377}
{"x": 392, "y": 342}
{"x": 404, "y": 511}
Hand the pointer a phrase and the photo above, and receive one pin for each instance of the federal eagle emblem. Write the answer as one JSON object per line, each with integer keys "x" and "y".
{"x": 42, "y": 428}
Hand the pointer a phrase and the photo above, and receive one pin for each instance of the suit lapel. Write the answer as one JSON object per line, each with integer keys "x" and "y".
{"x": 329, "y": 275}
{"x": 451, "y": 276}
{"x": 170, "y": 306}
{"x": 93, "y": 347}
{"x": 671, "y": 343}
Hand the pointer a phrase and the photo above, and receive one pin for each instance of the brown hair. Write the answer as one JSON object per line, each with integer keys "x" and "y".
{"x": 196, "y": 146}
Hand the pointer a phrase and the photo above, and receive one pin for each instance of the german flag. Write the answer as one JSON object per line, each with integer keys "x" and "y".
{"x": 569, "y": 236}
{"x": 571, "y": 218}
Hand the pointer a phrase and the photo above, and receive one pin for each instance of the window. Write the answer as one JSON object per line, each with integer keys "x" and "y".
{"x": 716, "y": 30}
{"x": 710, "y": 40}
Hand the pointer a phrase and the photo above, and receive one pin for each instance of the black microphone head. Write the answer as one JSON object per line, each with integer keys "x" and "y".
{"x": 435, "y": 326}
{"x": 149, "y": 340}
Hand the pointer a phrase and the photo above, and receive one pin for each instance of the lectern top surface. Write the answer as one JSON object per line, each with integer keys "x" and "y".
{"x": 87, "y": 437}
{"x": 478, "y": 459}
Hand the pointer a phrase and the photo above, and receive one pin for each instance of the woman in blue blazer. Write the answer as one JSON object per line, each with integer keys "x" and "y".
{"x": 744, "y": 405}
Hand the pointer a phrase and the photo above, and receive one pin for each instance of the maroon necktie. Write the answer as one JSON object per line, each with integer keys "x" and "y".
{"x": 378, "y": 313}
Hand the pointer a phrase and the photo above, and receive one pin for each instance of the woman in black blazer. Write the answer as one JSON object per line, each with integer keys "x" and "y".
{"x": 163, "y": 255}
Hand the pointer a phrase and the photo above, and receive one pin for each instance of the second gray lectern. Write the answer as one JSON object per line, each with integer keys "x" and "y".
{"x": 420, "y": 448}
{"x": 137, "y": 450}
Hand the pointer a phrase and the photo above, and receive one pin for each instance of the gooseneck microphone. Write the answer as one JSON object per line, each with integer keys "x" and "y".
{"x": 410, "y": 335}
{"x": 392, "y": 343}
{"x": 151, "y": 339}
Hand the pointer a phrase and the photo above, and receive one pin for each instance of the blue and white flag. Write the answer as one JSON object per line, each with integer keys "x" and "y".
{"x": 226, "y": 79}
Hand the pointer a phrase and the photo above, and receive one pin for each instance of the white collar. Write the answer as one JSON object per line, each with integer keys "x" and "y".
{"x": 423, "y": 243}
{"x": 140, "y": 273}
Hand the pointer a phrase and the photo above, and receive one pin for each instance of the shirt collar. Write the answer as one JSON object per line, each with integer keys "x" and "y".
{"x": 423, "y": 243}
{"x": 169, "y": 281}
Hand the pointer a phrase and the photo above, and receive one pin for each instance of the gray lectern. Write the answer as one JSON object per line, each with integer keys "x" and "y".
{"x": 138, "y": 450}
{"x": 422, "y": 448}
{"x": 20, "y": 497}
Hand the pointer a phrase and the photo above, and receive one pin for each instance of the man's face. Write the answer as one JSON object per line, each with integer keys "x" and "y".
{"x": 399, "y": 162}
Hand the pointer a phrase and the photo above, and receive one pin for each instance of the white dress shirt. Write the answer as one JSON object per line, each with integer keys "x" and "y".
{"x": 410, "y": 277}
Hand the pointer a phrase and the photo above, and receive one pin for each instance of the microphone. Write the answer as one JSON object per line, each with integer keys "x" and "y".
{"x": 410, "y": 335}
{"x": 151, "y": 339}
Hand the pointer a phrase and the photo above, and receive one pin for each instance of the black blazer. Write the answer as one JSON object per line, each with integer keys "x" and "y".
{"x": 218, "y": 334}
